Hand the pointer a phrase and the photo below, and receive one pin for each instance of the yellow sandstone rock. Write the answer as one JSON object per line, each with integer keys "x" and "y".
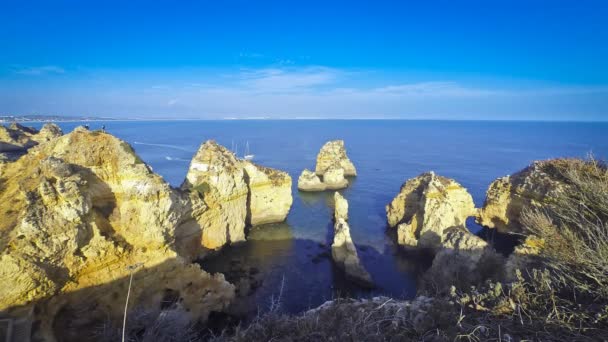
{"x": 343, "y": 250}
{"x": 76, "y": 213}
{"x": 425, "y": 207}
{"x": 333, "y": 153}
{"x": 217, "y": 176}
{"x": 508, "y": 197}
{"x": 269, "y": 194}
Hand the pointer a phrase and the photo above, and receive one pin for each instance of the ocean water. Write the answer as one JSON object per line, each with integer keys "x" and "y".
{"x": 292, "y": 260}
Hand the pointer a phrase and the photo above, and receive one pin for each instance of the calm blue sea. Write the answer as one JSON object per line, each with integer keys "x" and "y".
{"x": 295, "y": 256}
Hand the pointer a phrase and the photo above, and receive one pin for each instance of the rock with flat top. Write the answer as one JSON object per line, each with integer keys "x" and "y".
{"x": 269, "y": 194}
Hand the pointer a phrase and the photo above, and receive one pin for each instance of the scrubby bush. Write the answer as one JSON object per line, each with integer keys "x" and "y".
{"x": 574, "y": 229}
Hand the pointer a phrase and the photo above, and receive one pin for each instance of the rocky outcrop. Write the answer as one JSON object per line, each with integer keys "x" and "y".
{"x": 269, "y": 194}
{"x": 333, "y": 154}
{"x": 332, "y": 166}
{"x": 463, "y": 260}
{"x": 309, "y": 181}
{"x": 525, "y": 256}
{"x": 48, "y": 132}
{"x": 508, "y": 197}
{"x": 227, "y": 194}
{"x": 218, "y": 178}
{"x": 343, "y": 249}
{"x": 426, "y": 207}
{"x": 18, "y": 138}
{"x": 334, "y": 178}
{"x": 80, "y": 213}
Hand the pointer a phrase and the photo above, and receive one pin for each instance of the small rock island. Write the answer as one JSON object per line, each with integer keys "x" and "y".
{"x": 332, "y": 166}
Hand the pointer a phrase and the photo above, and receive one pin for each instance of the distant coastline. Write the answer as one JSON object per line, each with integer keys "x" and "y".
{"x": 49, "y": 118}
{"x": 4, "y": 119}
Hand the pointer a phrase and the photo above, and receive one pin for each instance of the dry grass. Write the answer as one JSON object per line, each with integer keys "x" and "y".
{"x": 574, "y": 229}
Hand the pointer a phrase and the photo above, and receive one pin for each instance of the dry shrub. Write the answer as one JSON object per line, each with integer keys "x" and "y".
{"x": 574, "y": 228}
{"x": 150, "y": 326}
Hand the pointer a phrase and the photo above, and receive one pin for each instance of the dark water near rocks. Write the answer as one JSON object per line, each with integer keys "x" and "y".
{"x": 294, "y": 256}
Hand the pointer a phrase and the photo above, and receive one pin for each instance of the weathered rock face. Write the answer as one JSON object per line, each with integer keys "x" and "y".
{"x": 525, "y": 256}
{"x": 334, "y": 178}
{"x": 343, "y": 249}
{"x": 218, "y": 178}
{"x": 18, "y": 138}
{"x": 333, "y": 153}
{"x": 227, "y": 193}
{"x": 269, "y": 194}
{"x": 425, "y": 207}
{"x": 463, "y": 260}
{"x": 508, "y": 197}
{"x": 309, "y": 181}
{"x": 12, "y": 140}
{"x": 48, "y": 132}
{"x": 77, "y": 211}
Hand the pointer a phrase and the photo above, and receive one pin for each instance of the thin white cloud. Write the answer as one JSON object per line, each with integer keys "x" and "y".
{"x": 39, "y": 70}
{"x": 286, "y": 80}
{"x": 435, "y": 88}
{"x": 305, "y": 92}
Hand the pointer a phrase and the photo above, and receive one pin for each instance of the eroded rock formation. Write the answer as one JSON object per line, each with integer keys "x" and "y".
{"x": 508, "y": 197}
{"x": 332, "y": 166}
{"x": 18, "y": 138}
{"x": 217, "y": 177}
{"x": 269, "y": 194}
{"x": 331, "y": 154}
{"x": 227, "y": 194}
{"x": 334, "y": 178}
{"x": 78, "y": 212}
{"x": 426, "y": 207}
{"x": 309, "y": 181}
{"x": 343, "y": 250}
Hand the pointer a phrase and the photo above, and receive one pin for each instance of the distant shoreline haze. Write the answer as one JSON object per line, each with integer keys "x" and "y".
{"x": 56, "y": 118}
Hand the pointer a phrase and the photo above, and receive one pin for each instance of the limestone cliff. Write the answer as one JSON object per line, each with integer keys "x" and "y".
{"x": 333, "y": 153}
{"x": 425, "y": 207}
{"x": 77, "y": 212}
{"x": 218, "y": 178}
{"x": 508, "y": 197}
{"x": 343, "y": 250}
{"x": 269, "y": 194}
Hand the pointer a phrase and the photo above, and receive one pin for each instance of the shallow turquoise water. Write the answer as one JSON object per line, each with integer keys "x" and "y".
{"x": 386, "y": 153}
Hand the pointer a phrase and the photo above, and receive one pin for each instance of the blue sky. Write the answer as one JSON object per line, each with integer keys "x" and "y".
{"x": 521, "y": 60}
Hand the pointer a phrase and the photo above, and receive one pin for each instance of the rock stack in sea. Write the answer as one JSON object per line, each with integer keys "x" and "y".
{"x": 430, "y": 213}
{"x": 218, "y": 178}
{"x": 343, "y": 250}
{"x": 332, "y": 166}
{"x": 426, "y": 207}
{"x": 235, "y": 193}
{"x": 269, "y": 194}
